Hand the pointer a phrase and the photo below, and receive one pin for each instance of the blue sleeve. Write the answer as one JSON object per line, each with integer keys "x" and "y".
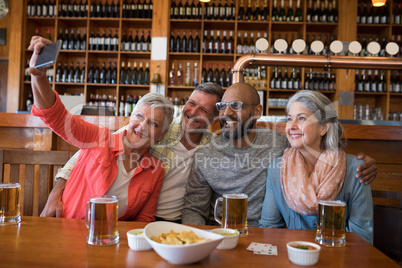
{"x": 270, "y": 215}
{"x": 360, "y": 220}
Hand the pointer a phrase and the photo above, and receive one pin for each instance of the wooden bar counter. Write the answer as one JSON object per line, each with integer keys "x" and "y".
{"x": 51, "y": 242}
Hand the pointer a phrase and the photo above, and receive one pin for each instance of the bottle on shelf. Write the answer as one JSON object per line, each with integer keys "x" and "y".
{"x": 230, "y": 44}
{"x": 204, "y": 74}
{"x": 217, "y": 43}
{"x": 309, "y": 13}
{"x": 245, "y": 46}
{"x": 197, "y": 43}
{"x": 184, "y": 44}
{"x": 229, "y": 76}
{"x": 134, "y": 75}
{"x": 178, "y": 44}
{"x": 224, "y": 44}
{"x": 190, "y": 41}
{"x": 282, "y": 13}
{"x": 265, "y": 11}
{"x": 257, "y": 12}
{"x": 210, "y": 74}
{"x": 249, "y": 14}
{"x": 179, "y": 75}
{"x": 290, "y": 16}
{"x": 240, "y": 16}
{"x": 195, "y": 75}
{"x": 216, "y": 76}
{"x": 211, "y": 43}
{"x": 298, "y": 13}
{"x": 222, "y": 77}
{"x": 172, "y": 76}
{"x": 275, "y": 12}
{"x": 141, "y": 73}
{"x": 187, "y": 79}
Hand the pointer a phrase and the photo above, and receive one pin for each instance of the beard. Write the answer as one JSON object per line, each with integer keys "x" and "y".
{"x": 242, "y": 129}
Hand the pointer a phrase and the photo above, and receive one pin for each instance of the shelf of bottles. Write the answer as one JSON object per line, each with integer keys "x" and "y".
{"x": 106, "y": 48}
{"x": 215, "y": 34}
{"x": 378, "y": 93}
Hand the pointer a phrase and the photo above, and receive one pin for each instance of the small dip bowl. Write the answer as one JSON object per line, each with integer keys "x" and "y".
{"x": 303, "y": 253}
{"x": 231, "y": 237}
{"x": 136, "y": 240}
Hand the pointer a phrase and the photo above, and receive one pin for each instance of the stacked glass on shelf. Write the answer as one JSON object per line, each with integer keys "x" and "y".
{"x": 258, "y": 14}
{"x": 102, "y": 76}
{"x": 368, "y": 14}
{"x": 395, "y": 116}
{"x": 136, "y": 44}
{"x": 102, "y": 100}
{"x": 320, "y": 81}
{"x": 323, "y": 12}
{"x": 279, "y": 14}
{"x": 187, "y": 11}
{"x": 127, "y": 106}
{"x": 184, "y": 44}
{"x": 70, "y": 74}
{"x": 136, "y": 76}
{"x": 42, "y": 8}
{"x": 288, "y": 80}
{"x": 277, "y": 103}
{"x": 72, "y": 41}
{"x": 366, "y": 83}
{"x": 101, "y": 9}
{"x": 364, "y": 112}
{"x": 137, "y": 9}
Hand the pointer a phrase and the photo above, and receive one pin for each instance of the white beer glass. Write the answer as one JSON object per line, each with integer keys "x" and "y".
{"x": 101, "y": 216}
{"x": 10, "y": 203}
{"x": 331, "y": 223}
{"x": 234, "y": 212}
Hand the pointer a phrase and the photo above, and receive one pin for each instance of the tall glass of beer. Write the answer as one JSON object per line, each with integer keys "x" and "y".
{"x": 234, "y": 212}
{"x": 101, "y": 220}
{"x": 10, "y": 203}
{"x": 331, "y": 223}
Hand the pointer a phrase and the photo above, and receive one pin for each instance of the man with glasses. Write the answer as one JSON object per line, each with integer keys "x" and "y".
{"x": 237, "y": 160}
{"x": 176, "y": 150}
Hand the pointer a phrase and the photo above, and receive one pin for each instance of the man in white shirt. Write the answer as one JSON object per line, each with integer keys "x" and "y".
{"x": 176, "y": 150}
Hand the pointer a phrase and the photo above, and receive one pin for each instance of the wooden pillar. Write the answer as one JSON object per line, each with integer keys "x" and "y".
{"x": 347, "y": 29}
{"x": 160, "y": 28}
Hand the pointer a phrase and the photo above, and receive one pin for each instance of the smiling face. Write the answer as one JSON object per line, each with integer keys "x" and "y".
{"x": 199, "y": 111}
{"x": 145, "y": 127}
{"x": 237, "y": 124}
{"x": 303, "y": 129}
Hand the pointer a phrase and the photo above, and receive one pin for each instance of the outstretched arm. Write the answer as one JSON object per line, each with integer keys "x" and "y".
{"x": 44, "y": 96}
{"x": 368, "y": 170}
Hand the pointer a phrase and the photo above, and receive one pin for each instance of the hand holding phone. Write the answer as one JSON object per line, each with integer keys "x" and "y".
{"x": 48, "y": 55}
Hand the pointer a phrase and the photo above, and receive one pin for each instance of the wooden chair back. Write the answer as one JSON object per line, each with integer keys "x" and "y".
{"x": 35, "y": 171}
{"x": 388, "y": 224}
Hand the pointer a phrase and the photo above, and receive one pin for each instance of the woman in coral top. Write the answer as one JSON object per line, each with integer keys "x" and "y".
{"x": 314, "y": 168}
{"x": 111, "y": 164}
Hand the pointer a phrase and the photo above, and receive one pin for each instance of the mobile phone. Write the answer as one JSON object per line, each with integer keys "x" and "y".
{"x": 48, "y": 55}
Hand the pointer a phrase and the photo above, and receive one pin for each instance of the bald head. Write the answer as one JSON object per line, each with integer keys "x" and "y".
{"x": 243, "y": 92}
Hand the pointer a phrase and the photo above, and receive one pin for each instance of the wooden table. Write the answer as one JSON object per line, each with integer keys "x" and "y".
{"x": 50, "y": 242}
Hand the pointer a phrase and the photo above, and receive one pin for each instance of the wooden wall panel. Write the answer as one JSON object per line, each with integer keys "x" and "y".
{"x": 3, "y": 84}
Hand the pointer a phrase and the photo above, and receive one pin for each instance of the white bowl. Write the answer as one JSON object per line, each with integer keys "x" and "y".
{"x": 231, "y": 236}
{"x": 136, "y": 240}
{"x": 303, "y": 257}
{"x": 181, "y": 254}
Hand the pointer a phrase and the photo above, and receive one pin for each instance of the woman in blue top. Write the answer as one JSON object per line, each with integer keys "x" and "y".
{"x": 313, "y": 168}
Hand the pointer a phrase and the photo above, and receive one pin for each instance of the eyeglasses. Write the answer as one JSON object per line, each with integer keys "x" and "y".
{"x": 234, "y": 105}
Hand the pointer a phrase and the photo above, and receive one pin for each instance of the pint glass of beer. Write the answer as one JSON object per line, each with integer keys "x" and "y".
{"x": 101, "y": 220}
{"x": 331, "y": 223}
{"x": 234, "y": 212}
{"x": 10, "y": 203}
